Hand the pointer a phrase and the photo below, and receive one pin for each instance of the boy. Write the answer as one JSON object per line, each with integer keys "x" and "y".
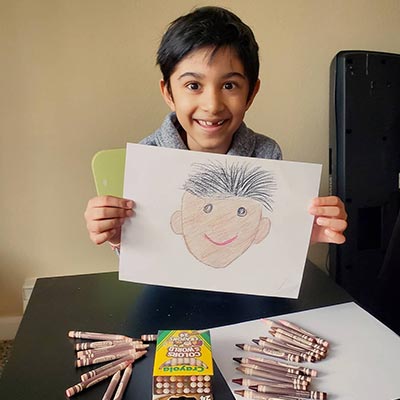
{"x": 209, "y": 62}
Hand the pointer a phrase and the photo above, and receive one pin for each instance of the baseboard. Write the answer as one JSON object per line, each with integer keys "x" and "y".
{"x": 9, "y": 327}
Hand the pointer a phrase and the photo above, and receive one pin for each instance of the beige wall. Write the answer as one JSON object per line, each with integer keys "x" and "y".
{"x": 79, "y": 76}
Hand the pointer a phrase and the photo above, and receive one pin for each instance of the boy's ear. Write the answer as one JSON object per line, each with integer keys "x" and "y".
{"x": 176, "y": 222}
{"x": 263, "y": 229}
{"x": 167, "y": 95}
{"x": 253, "y": 95}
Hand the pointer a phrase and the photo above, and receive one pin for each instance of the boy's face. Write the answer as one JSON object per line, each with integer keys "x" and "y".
{"x": 217, "y": 231}
{"x": 209, "y": 96}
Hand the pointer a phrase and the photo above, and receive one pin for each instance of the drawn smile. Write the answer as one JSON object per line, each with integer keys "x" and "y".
{"x": 224, "y": 243}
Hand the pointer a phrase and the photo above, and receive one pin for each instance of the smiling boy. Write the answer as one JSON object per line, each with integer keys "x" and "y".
{"x": 210, "y": 65}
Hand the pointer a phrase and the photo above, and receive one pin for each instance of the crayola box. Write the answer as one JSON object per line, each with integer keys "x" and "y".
{"x": 183, "y": 367}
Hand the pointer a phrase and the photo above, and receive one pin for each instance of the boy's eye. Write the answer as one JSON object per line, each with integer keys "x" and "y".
{"x": 193, "y": 86}
{"x": 241, "y": 212}
{"x": 208, "y": 208}
{"x": 229, "y": 85}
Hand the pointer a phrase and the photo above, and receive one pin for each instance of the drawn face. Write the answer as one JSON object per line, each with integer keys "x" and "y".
{"x": 217, "y": 231}
{"x": 209, "y": 96}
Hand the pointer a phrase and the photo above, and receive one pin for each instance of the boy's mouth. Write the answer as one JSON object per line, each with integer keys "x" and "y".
{"x": 208, "y": 124}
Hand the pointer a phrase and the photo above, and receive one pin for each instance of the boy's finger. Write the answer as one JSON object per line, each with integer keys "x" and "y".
{"x": 111, "y": 201}
{"x": 338, "y": 225}
{"x": 328, "y": 212}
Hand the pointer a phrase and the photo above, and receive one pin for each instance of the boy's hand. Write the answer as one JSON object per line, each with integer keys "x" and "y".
{"x": 330, "y": 220}
{"x": 104, "y": 217}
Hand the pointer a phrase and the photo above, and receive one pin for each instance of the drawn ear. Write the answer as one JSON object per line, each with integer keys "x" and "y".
{"x": 176, "y": 222}
{"x": 263, "y": 229}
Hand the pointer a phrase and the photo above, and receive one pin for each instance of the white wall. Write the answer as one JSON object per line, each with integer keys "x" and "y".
{"x": 79, "y": 76}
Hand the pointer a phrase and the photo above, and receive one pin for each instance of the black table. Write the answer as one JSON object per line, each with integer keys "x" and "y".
{"x": 42, "y": 361}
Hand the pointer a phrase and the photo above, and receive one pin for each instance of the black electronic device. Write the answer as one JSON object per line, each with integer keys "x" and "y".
{"x": 365, "y": 164}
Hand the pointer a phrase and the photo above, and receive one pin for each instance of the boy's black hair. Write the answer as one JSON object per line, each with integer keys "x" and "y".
{"x": 209, "y": 26}
{"x": 236, "y": 180}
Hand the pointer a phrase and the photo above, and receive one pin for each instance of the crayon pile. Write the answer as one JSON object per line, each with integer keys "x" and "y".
{"x": 279, "y": 379}
{"x": 119, "y": 352}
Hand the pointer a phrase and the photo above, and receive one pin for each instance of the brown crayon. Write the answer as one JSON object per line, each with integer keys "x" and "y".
{"x": 248, "y": 394}
{"x": 269, "y": 376}
{"x": 95, "y": 379}
{"x": 298, "y": 340}
{"x": 300, "y": 379}
{"x": 112, "y": 386}
{"x": 304, "y": 394}
{"x": 96, "y": 371}
{"x": 297, "y": 328}
{"x": 150, "y": 337}
{"x": 92, "y": 353}
{"x": 270, "y": 352}
{"x": 83, "y": 362}
{"x": 123, "y": 383}
{"x": 97, "y": 336}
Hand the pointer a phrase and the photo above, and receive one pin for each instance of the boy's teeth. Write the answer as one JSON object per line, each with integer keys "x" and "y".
{"x": 209, "y": 123}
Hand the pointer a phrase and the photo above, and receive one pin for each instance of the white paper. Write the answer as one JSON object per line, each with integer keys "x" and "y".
{"x": 362, "y": 363}
{"x": 156, "y": 244}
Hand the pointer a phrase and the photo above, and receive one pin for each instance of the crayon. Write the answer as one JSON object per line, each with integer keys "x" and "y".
{"x": 97, "y": 336}
{"x": 295, "y": 327}
{"x": 270, "y": 352}
{"x": 303, "y": 394}
{"x": 283, "y": 346}
{"x": 248, "y": 394}
{"x": 96, "y": 371}
{"x": 95, "y": 379}
{"x": 304, "y": 370}
{"x": 150, "y": 337}
{"x": 123, "y": 383}
{"x": 102, "y": 344}
{"x": 112, "y": 386}
{"x": 300, "y": 379}
{"x": 92, "y": 353}
{"x": 270, "y": 377}
{"x": 272, "y": 384}
{"x": 83, "y": 362}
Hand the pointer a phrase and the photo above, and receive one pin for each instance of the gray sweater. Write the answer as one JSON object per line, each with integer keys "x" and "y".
{"x": 245, "y": 142}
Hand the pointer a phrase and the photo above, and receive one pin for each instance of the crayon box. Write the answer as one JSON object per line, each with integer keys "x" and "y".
{"x": 183, "y": 367}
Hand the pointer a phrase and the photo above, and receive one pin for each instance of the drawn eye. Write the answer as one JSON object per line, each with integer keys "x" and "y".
{"x": 241, "y": 212}
{"x": 208, "y": 208}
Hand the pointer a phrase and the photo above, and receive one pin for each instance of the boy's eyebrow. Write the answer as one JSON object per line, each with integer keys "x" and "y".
{"x": 197, "y": 75}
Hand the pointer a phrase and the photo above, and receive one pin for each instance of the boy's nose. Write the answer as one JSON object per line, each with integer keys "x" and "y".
{"x": 212, "y": 102}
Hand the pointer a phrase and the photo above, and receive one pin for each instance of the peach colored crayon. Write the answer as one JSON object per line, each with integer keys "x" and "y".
{"x": 297, "y": 328}
{"x": 112, "y": 386}
{"x": 278, "y": 325}
{"x": 83, "y": 362}
{"x": 269, "y": 376}
{"x": 96, "y": 379}
{"x": 248, "y": 394}
{"x": 123, "y": 383}
{"x": 93, "y": 372}
{"x": 102, "y": 344}
{"x": 270, "y": 352}
{"x": 97, "y": 336}
{"x": 303, "y": 394}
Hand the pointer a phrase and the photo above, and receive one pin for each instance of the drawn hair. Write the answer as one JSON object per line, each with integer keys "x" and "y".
{"x": 236, "y": 180}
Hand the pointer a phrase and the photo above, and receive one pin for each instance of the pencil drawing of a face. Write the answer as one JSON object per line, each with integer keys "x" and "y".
{"x": 221, "y": 213}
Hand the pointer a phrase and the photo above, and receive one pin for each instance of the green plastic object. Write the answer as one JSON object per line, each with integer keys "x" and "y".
{"x": 108, "y": 167}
